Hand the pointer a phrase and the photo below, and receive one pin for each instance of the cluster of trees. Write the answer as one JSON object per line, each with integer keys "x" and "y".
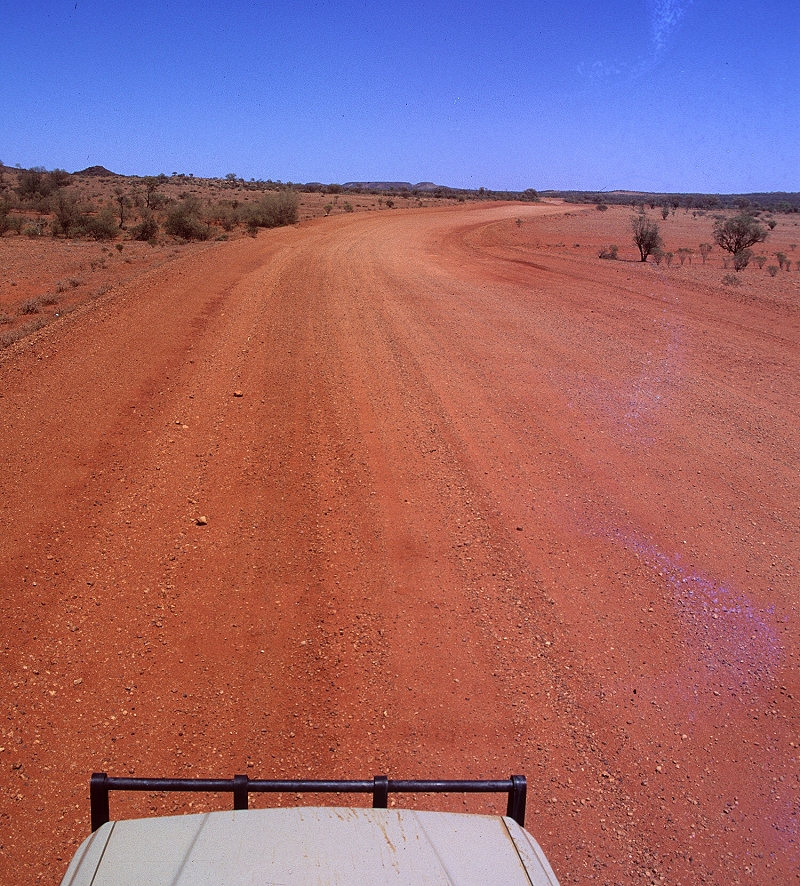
{"x": 735, "y": 235}
{"x": 138, "y": 207}
{"x": 752, "y": 204}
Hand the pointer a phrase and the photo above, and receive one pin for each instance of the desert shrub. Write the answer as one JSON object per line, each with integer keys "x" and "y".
{"x": 658, "y": 255}
{"x": 601, "y": 207}
{"x": 147, "y": 229}
{"x": 102, "y": 226}
{"x": 668, "y": 256}
{"x": 14, "y": 335}
{"x": 184, "y": 222}
{"x": 608, "y": 252}
{"x": 34, "y": 228}
{"x": 348, "y": 207}
{"x": 781, "y": 256}
{"x": 683, "y": 253}
{"x": 772, "y": 270}
{"x": 273, "y": 210}
{"x": 69, "y": 216}
{"x": 759, "y": 260}
{"x": 787, "y": 265}
{"x": 33, "y": 182}
{"x": 30, "y": 306}
{"x": 731, "y": 280}
{"x": 5, "y": 209}
{"x": 771, "y": 222}
{"x": 48, "y": 299}
{"x": 645, "y": 235}
{"x": 741, "y": 259}
{"x": 738, "y": 233}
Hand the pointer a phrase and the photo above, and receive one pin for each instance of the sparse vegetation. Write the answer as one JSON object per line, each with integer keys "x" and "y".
{"x": 772, "y": 270}
{"x": 30, "y": 306}
{"x": 608, "y": 252}
{"x": 184, "y": 221}
{"x": 646, "y": 235}
{"x": 738, "y": 234}
{"x": 731, "y": 280}
{"x": 705, "y": 248}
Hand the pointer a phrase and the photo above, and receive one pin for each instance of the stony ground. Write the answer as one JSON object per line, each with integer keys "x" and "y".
{"x": 474, "y": 502}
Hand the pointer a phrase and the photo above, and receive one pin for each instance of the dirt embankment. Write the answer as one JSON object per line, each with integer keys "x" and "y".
{"x": 476, "y": 503}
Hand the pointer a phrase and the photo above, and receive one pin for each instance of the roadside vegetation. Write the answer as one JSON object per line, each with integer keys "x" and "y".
{"x": 98, "y": 205}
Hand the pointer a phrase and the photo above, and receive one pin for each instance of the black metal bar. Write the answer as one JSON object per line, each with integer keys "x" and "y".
{"x": 380, "y": 792}
{"x": 240, "y": 799}
{"x": 516, "y": 799}
{"x": 98, "y": 799}
{"x": 441, "y": 787}
{"x": 241, "y": 786}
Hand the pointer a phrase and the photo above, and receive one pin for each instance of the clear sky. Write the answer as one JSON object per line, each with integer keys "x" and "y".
{"x": 656, "y": 95}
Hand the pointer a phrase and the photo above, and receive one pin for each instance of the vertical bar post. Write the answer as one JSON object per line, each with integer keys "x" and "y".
{"x": 98, "y": 799}
{"x": 380, "y": 792}
{"x": 516, "y": 799}
{"x": 240, "y": 792}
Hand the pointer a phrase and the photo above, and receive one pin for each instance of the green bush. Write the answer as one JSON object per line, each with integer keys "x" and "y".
{"x": 102, "y": 226}
{"x": 147, "y": 229}
{"x": 738, "y": 233}
{"x": 184, "y": 221}
{"x": 69, "y": 216}
{"x": 274, "y": 210}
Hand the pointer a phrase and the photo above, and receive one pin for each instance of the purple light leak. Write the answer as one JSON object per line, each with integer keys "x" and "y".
{"x": 733, "y": 636}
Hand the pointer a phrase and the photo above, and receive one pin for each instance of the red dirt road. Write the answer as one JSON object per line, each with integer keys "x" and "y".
{"x": 483, "y": 507}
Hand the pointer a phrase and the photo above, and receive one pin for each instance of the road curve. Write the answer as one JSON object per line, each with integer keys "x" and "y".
{"x": 386, "y": 493}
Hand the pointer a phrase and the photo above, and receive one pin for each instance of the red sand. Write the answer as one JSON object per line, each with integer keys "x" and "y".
{"x": 486, "y": 505}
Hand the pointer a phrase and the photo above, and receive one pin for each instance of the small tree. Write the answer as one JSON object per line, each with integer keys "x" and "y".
{"x": 152, "y": 198}
{"x": 738, "y": 233}
{"x": 68, "y": 214}
{"x": 705, "y": 248}
{"x": 123, "y": 202}
{"x": 781, "y": 256}
{"x": 645, "y": 235}
{"x": 759, "y": 260}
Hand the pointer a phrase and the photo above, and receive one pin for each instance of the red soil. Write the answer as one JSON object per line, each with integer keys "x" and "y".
{"x": 486, "y": 505}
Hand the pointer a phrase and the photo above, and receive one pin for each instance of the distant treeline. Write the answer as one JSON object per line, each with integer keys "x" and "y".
{"x": 776, "y": 201}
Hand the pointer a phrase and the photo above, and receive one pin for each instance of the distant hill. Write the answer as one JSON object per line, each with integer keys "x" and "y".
{"x": 390, "y": 186}
{"x": 97, "y": 172}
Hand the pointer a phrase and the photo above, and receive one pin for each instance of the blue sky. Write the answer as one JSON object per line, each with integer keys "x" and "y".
{"x": 657, "y": 95}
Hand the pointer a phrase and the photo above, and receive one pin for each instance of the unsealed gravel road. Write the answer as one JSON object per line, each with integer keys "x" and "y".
{"x": 471, "y": 508}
